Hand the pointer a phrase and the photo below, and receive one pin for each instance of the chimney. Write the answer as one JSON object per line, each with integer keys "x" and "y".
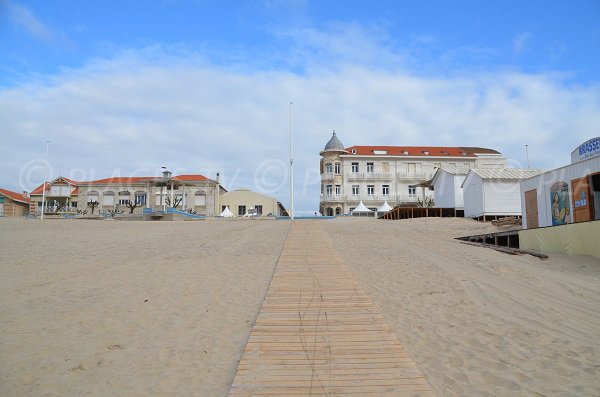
{"x": 218, "y": 179}
{"x": 25, "y": 193}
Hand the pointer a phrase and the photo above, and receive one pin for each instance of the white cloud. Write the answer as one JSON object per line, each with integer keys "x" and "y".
{"x": 522, "y": 42}
{"x": 23, "y": 18}
{"x": 148, "y": 108}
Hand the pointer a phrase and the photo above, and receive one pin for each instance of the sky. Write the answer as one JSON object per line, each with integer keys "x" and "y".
{"x": 123, "y": 88}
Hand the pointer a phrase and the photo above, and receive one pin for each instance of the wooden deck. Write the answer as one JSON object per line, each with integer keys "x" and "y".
{"x": 319, "y": 334}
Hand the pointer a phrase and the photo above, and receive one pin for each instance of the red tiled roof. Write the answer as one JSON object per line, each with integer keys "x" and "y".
{"x": 39, "y": 189}
{"x": 185, "y": 178}
{"x": 121, "y": 180}
{"x": 418, "y": 151}
{"x": 15, "y": 196}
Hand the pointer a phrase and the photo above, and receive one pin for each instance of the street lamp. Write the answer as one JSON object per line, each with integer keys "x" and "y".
{"x": 44, "y": 183}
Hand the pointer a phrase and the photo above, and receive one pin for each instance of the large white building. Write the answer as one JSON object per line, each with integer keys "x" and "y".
{"x": 375, "y": 174}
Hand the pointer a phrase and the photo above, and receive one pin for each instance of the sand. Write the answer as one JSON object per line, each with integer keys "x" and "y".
{"x": 107, "y": 308}
{"x": 479, "y": 322}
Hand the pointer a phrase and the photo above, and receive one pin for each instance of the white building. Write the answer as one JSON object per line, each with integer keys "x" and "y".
{"x": 447, "y": 187}
{"x": 246, "y": 202}
{"x": 494, "y": 192}
{"x": 374, "y": 174}
{"x": 568, "y": 194}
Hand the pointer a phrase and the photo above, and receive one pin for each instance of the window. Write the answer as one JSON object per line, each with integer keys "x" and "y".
{"x": 385, "y": 190}
{"x": 123, "y": 201}
{"x": 329, "y": 189}
{"x": 370, "y": 190}
{"x": 258, "y": 209}
{"x": 93, "y": 196}
{"x": 328, "y": 168}
{"x": 354, "y": 168}
{"x": 108, "y": 198}
{"x": 412, "y": 190}
{"x": 371, "y": 167}
{"x": 241, "y": 210}
{"x": 74, "y": 204}
{"x": 338, "y": 189}
{"x": 200, "y": 198}
{"x": 411, "y": 168}
{"x": 338, "y": 168}
{"x": 140, "y": 198}
{"x": 355, "y": 190}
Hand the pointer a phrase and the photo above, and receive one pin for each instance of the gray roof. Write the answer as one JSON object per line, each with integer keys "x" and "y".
{"x": 455, "y": 170}
{"x": 334, "y": 144}
{"x": 506, "y": 173}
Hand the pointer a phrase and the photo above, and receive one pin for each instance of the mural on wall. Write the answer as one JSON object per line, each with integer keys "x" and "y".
{"x": 559, "y": 196}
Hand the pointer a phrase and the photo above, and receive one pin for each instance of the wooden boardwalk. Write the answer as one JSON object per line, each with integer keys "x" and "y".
{"x": 319, "y": 334}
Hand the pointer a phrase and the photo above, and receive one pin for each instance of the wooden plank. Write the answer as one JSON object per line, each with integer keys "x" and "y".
{"x": 318, "y": 333}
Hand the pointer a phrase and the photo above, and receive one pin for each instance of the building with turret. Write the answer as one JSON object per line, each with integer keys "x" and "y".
{"x": 396, "y": 174}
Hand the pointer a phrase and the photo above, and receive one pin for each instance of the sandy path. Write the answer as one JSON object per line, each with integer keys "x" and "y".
{"x": 129, "y": 308}
{"x": 479, "y": 322}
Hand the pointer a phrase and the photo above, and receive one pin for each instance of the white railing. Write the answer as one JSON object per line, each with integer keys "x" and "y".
{"x": 332, "y": 197}
{"x": 412, "y": 175}
{"x": 358, "y": 176}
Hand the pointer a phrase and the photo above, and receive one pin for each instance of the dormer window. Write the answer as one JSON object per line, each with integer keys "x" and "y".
{"x": 426, "y": 152}
{"x": 353, "y": 151}
{"x": 405, "y": 152}
{"x": 379, "y": 151}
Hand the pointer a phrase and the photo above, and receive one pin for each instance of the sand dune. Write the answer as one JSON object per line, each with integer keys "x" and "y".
{"x": 163, "y": 309}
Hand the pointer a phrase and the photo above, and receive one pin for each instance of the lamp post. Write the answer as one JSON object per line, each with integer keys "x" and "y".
{"x": 291, "y": 168}
{"x": 44, "y": 183}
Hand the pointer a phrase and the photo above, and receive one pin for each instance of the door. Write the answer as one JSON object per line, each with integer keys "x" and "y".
{"x": 582, "y": 205}
{"x": 531, "y": 209}
{"x": 1, "y": 209}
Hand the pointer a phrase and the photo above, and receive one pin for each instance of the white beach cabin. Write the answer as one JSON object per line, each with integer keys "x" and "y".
{"x": 492, "y": 193}
{"x": 447, "y": 187}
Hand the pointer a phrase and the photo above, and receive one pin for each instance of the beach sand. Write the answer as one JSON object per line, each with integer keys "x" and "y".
{"x": 105, "y": 308}
{"x": 479, "y": 322}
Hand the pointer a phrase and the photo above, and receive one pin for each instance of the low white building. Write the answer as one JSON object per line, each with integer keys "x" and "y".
{"x": 568, "y": 194}
{"x": 447, "y": 187}
{"x": 246, "y": 202}
{"x": 490, "y": 193}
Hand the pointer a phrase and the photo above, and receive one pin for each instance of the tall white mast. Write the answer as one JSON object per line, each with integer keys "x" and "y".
{"x": 44, "y": 183}
{"x": 291, "y": 167}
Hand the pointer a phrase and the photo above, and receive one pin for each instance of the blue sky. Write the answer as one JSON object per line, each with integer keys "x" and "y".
{"x": 204, "y": 86}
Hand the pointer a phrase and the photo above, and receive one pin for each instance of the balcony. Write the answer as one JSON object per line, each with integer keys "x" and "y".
{"x": 332, "y": 197}
{"x": 370, "y": 176}
{"x": 413, "y": 176}
{"x": 355, "y": 176}
{"x": 327, "y": 176}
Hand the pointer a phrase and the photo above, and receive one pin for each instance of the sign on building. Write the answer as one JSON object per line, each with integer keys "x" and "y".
{"x": 590, "y": 148}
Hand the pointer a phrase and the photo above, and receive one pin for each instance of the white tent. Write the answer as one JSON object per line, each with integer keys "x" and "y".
{"x": 226, "y": 213}
{"x": 361, "y": 210}
{"x": 385, "y": 207}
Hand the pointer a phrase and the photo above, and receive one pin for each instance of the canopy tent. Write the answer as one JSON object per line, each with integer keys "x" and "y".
{"x": 361, "y": 210}
{"x": 226, "y": 213}
{"x": 385, "y": 207}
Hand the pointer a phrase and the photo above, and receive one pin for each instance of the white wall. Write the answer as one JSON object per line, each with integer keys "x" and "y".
{"x": 443, "y": 190}
{"x": 473, "y": 197}
{"x": 459, "y": 200}
{"x": 502, "y": 197}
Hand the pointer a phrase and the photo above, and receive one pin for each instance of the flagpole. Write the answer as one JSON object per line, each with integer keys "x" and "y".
{"x": 291, "y": 167}
{"x": 44, "y": 183}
